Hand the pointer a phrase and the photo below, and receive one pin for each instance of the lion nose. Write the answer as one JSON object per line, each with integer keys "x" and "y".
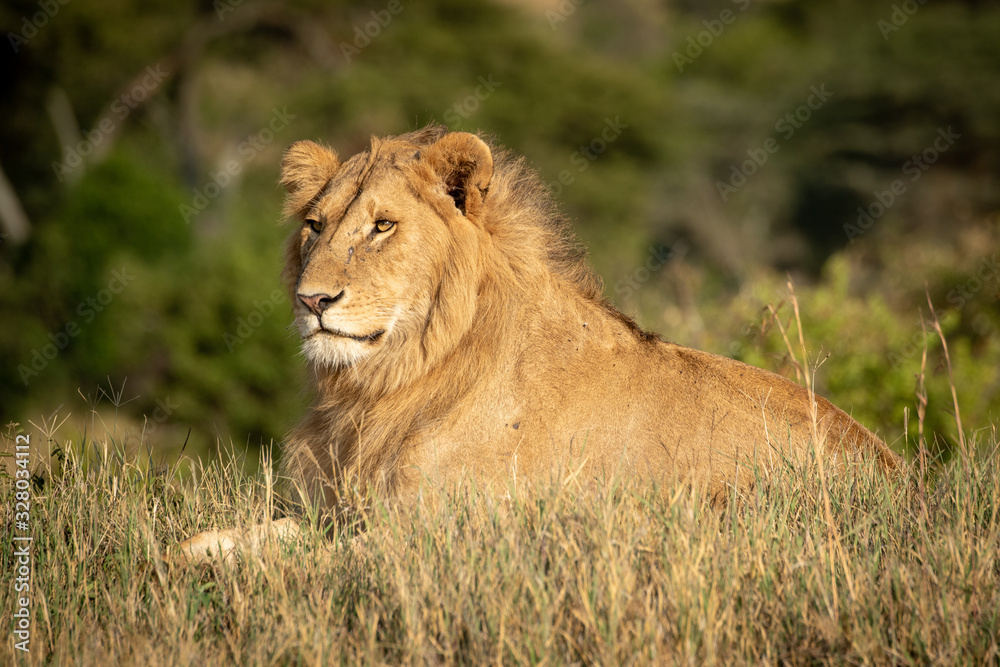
{"x": 318, "y": 303}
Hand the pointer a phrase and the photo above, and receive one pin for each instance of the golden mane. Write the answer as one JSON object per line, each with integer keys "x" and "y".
{"x": 532, "y": 240}
{"x": 532, "y": 231}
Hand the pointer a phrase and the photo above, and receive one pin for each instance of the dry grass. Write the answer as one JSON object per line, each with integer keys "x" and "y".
{"x": 604, "y": 573}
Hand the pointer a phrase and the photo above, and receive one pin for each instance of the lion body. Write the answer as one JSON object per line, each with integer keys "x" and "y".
{"x": 453, "y": 330}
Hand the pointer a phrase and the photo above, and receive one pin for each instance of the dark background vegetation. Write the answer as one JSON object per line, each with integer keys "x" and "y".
{"x": 192, "y": 336}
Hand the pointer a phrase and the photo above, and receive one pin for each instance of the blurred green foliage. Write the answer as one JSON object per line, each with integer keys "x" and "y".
{"x": 199, "y": 334}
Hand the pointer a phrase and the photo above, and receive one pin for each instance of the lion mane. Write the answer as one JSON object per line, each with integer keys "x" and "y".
{"x": 452, "y": 328}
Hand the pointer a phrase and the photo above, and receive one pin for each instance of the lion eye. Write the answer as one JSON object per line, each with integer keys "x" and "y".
{"x": 315, "y": 225}
{"x": 384, "y": 225}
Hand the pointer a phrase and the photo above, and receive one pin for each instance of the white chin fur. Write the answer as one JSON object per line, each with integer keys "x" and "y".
{"x": 325, "y": 349}
{"x": 332, "y": 352}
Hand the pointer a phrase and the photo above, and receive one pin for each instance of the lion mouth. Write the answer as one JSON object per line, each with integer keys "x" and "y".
{"x": 370, "y": 338}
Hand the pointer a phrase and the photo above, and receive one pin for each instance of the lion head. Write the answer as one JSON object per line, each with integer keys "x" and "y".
{"x": 389, "y": 258}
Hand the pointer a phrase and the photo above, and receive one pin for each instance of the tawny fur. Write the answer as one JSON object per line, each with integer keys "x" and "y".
{"x": 470, "y": 339}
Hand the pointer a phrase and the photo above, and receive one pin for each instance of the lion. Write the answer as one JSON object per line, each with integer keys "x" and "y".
{"x": 453, "y": 329}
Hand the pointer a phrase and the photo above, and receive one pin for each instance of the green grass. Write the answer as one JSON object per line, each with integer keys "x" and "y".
{"x": 559, "y": 573}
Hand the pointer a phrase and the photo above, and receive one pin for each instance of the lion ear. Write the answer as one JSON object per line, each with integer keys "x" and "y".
{"x": 465, "y": 164}
{"x": 306, "y": 168}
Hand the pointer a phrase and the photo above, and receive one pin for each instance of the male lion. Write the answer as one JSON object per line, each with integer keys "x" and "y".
{"x": 452, "y": 328}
